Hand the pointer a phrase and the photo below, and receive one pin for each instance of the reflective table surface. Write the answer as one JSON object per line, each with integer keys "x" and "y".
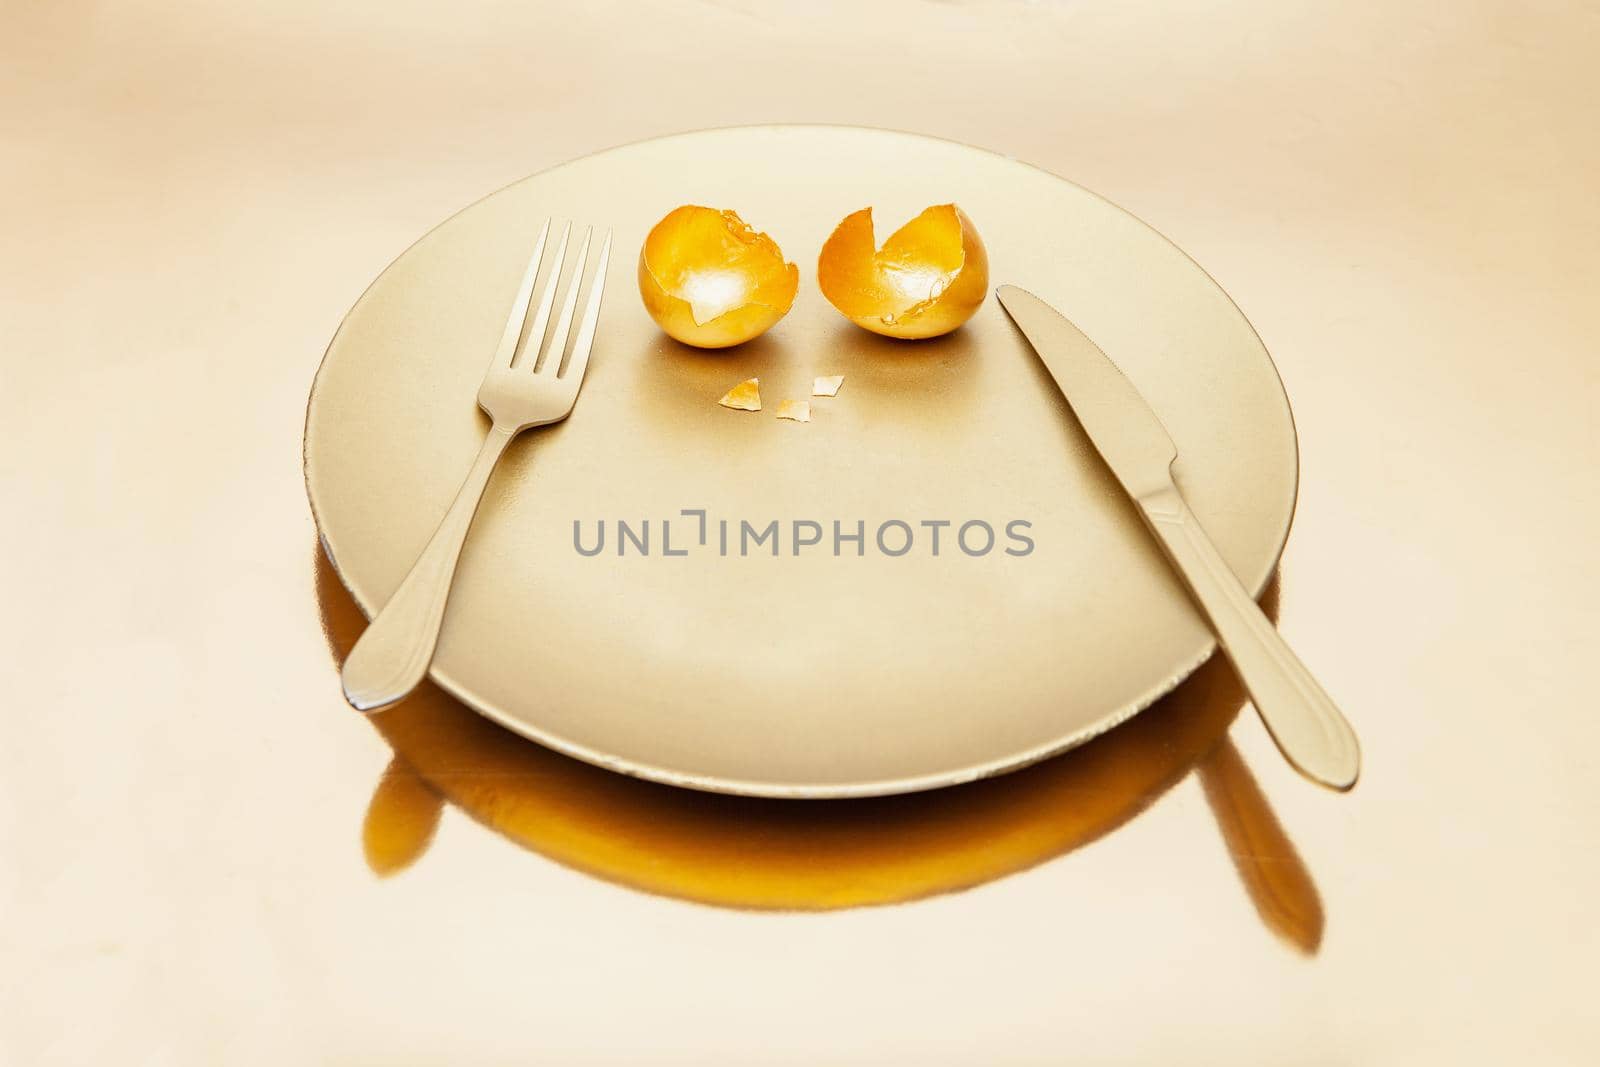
{"x": 206, "y": 857}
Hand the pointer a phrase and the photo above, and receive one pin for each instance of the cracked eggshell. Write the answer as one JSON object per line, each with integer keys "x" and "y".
{"x": 746, "y": 396}
{"x": 709, "y": 280}
{"x": 927, "y": 279}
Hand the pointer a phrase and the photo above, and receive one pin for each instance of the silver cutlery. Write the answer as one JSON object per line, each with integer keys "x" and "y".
{"x": 1303, "y": 721}
{"x": 393, "y": 654}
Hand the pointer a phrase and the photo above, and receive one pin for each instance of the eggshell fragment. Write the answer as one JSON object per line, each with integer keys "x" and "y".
{"x": 709, "y": 280}
{"x": 746, "y": 396}
{"x": 929, "y": 277}
{"x": 827, "y": 386}
{"x": 798, "y": 410}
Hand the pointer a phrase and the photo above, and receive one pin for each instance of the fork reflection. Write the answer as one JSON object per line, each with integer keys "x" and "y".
{"x": 754, "y": 853}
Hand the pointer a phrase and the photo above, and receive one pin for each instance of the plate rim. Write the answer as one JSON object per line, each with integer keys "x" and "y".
{"x": 830, "y": 791}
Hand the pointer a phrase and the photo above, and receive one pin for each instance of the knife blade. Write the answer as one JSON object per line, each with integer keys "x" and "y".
{"x": 1304, "y": 723}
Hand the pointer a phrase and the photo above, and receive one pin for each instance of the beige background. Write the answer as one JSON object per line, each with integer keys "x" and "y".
{"x": 1400, "y": 196}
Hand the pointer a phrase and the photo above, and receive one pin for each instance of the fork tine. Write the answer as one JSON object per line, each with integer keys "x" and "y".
{"x": 558, "y": 340}
{"x": 507, "y": 351}
{"x": 591, "y": 315}
{"x": 547, "y": 299}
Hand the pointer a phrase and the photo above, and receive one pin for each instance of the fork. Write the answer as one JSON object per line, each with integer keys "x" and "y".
{"x": 392, "y": 656}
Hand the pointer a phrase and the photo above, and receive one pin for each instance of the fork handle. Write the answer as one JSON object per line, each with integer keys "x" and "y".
{"x": 1303, "y": 721}
{"x": 392, "y": 656}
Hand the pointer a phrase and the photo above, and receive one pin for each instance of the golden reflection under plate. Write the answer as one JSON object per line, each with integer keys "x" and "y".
{"x": 757, "y": 853}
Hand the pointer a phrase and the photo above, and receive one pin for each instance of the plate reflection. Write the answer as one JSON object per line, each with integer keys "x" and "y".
{"x": 757, "y": 853}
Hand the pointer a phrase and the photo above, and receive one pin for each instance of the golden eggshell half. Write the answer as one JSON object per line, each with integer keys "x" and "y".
{"x": 927, "y": 279}
{"x": 709, "y": 280}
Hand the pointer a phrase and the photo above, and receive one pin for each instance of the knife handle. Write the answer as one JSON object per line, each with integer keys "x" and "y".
{"x": 1303, "y": 721}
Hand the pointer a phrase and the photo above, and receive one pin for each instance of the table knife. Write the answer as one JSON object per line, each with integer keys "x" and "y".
{"x": 1304, "y": 723}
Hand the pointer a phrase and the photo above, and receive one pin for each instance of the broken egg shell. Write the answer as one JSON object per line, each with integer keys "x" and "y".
{"x": 929, "y": 277}
{"x": 746, "y": 396}
{"x": 797, "y": 410}
{"x": 828, "y": 386}
{"x": 709, "y": 280}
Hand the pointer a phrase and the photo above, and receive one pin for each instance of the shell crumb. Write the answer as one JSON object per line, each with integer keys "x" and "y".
{"x": 746, "y": 396}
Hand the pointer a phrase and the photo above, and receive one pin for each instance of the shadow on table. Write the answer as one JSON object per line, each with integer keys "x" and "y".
{"x": 745, "y": 852}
